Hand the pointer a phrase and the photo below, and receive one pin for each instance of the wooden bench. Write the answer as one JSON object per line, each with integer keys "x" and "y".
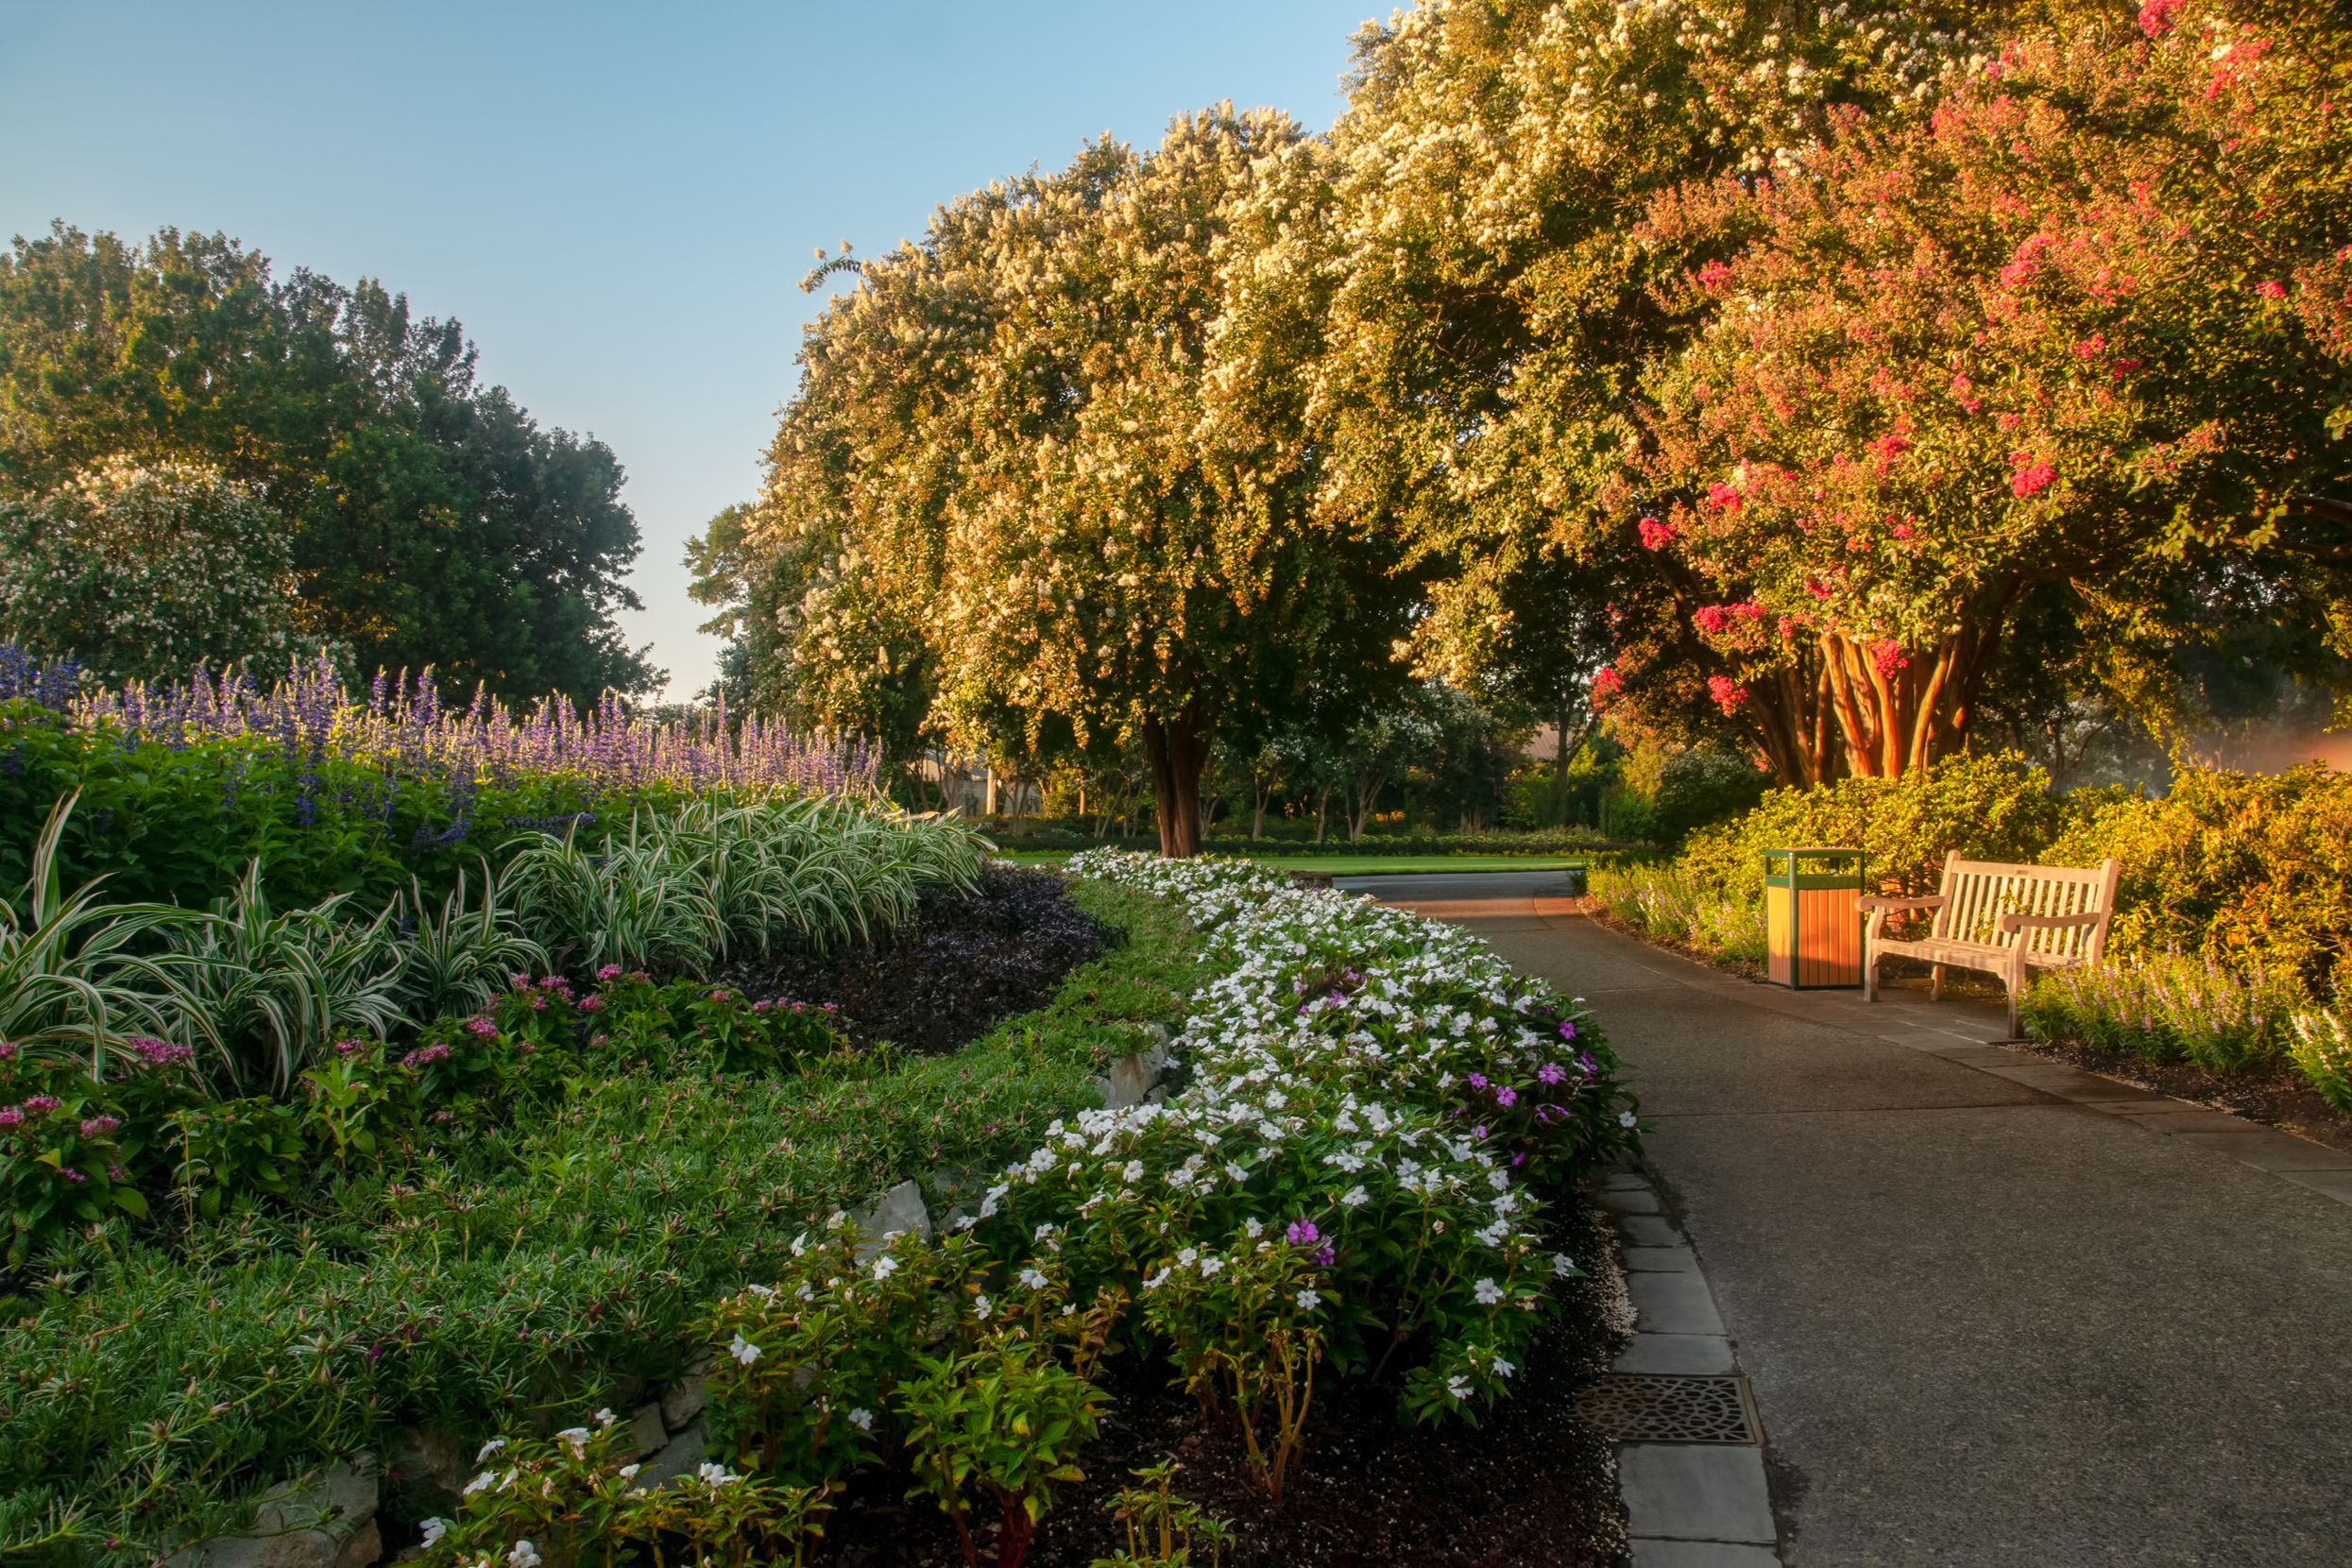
{"x": 2004, "y": 920}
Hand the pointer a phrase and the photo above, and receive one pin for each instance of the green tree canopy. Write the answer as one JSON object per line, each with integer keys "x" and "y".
{"x": 433, "y": 522}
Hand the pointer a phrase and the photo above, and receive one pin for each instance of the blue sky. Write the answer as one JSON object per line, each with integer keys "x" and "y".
{"x": 618, "y": 201}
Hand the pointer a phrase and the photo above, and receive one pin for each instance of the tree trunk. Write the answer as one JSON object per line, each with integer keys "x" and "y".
{"x": 1322, "y": 810}
{"x": 1836, "y": 708}
{"x": 1179, "y": 749}
{"x": 1261, "y": 795}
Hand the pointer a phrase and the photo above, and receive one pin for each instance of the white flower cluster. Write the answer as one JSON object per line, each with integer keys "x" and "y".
{"x": 1340, "y": 1055}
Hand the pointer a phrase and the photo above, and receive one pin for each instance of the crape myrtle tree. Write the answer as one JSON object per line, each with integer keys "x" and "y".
{"x": 1007, "y": 451}
{"x": 431, "y": 521}
{"x": 1447, "y": 304}
{"x": 2084, "y": 325}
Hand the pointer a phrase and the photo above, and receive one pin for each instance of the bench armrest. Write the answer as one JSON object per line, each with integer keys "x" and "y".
{"x": 1935, "y": 903}
{"x": 2014, "y": 923}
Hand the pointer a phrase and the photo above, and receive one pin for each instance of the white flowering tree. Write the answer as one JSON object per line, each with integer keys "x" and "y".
{"x": 1001, "y": 450}
{"x": 142, "y": 570}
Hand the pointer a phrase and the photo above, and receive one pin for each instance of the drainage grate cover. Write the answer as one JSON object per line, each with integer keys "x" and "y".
{"x": 1625, "y": 1407}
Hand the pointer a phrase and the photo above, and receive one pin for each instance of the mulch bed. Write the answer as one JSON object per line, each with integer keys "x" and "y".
{"x": 939, "y": 980}
{"x": 1530, "y": 1486}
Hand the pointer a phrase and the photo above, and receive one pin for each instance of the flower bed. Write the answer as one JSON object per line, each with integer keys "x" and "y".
{"x": 1369, "y": 1171}
{"x": 547, "y": 1250}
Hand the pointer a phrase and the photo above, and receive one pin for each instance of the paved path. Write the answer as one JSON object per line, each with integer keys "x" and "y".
{"x": 1989, "y": 1316}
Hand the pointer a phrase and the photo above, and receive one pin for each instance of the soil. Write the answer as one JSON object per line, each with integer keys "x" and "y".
{"x": 961, "y": 964}
{"x": 1530, "y": 1486}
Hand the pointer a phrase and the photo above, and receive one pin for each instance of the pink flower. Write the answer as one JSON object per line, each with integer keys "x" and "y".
{"x": 482, "y": 1026}
{"x": 1714, "y": 275}
{"x": 424, "y": 1056}
{"x": 1889, "y": 447}
{"x": 608, "y": 972}
{"x": 1568, "y": 1030}
{"x": 2030, "y": 475}
{"x": 2157, "y": 16}
{"x": 1302, "y": 1232}
{"x": 1477, "y": 1081}
{"x": 1727, "y": 692}
{"x": 348, "y": 1049}
{"x": 1656, "y": 535}
{"x": 1507, "y": 1096}
{"x": 1606, "y": 681}
{"x": 592, "y": 1003}
{"x": 1712, "y": 618}
{"x": 1887, "y": 657}
{"x": 2023, "y": 262}
{"x": 1551, "y": 1072}
{"x": 40, "y": 1105}
{"x": 1724, "y": 498}
{"x": 2269, "y": 289}
{"x": 98, "y": 1126}
{"x": 12, "y": 1115}
{"x": 73, "y": 1176}
{"x": 2091, "y": 347}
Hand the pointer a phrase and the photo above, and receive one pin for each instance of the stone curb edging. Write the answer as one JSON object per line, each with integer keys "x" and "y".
{"x": 1688, "y": 1504}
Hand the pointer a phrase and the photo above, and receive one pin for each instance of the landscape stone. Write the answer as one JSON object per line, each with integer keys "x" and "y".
{"x": 683, "y": 1399}
{"x": 680, "y": 1456}
{"x": 325, "y": 1520}
{"x": 646, "y": 1430}
{"x": 1131, "y": 1078}
{"x": 897, "y": 1211}
{"x": 429, "y": 1456}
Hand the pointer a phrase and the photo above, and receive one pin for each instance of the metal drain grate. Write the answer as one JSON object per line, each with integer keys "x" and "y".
{"x": 1626, "y": 1408}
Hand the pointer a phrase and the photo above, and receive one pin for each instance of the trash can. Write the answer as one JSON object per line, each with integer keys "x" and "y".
{"x": 1813, "y": 931}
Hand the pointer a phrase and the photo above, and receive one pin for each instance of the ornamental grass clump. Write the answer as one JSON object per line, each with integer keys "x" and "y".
{"x": 1664, "y": 902}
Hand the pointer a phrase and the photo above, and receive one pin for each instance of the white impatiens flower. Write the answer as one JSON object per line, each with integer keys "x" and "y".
{"x": 577, "y": 1437}
{"x": 1033, "y": 1278}
{"x": 1487, "y": 1291}
{"x": 1356, "y": 1196}
{"x": 884, "y": 1266}
{"x": 1502, "y": 1368}
{"x": 716, "y": 1474}
{"x": 523, "y": 1555}
{"x": 603, "y": 1418}
{"x": 489, "y": 1448}
{"x": 1625, "y": 1118}
{"x": 482, "y": 1482}
{"x": 743, "y": 1349}
{"x": 434, "y": 1529}
{"x": 1132, "y": 1172}
{"x": 1308, "y": 1301}
{"x": 862, "y": 1420}
{"x": 985, "y": 1308}
{"x": 1458, "y": 1386}
{"x": 629, "y": 1472}
{"x": 1564, "y": 1266}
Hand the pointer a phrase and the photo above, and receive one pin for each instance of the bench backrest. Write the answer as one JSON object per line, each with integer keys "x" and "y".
{"x": 1978, "y": 893}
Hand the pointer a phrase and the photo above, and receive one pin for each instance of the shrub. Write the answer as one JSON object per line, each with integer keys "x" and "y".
{"x": 1698, "y": 787}
{"x": 1988, "y": 808}
{"x": 2247, "y": 869}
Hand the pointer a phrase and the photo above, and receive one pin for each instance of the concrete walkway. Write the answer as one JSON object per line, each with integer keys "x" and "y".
{"x": 1991, "y": 1312}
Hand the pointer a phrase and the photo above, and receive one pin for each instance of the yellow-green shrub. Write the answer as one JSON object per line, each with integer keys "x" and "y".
{"x": 2238, "y": 867}
{"x": 1987, "y": 808}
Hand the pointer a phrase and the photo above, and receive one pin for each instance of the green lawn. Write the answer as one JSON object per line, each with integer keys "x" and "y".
{"x": 1365, "y": 865}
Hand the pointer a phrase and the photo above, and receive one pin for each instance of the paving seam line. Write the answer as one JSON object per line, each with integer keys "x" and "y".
{"x": 1688, "y": 1504}
{"x": 2313, "y": 1167}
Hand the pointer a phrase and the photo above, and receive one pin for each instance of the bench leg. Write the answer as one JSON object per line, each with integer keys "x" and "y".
{"x": 1936, "y": 983}
{"x": 2017, "y": 986}
{"x": 1869, "y": 974}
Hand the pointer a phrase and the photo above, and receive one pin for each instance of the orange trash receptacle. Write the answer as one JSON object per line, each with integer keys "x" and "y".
{"x": 1813, "y": 931}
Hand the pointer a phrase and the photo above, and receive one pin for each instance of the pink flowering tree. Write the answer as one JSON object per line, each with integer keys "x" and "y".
{"x": 2089, "y": 323}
